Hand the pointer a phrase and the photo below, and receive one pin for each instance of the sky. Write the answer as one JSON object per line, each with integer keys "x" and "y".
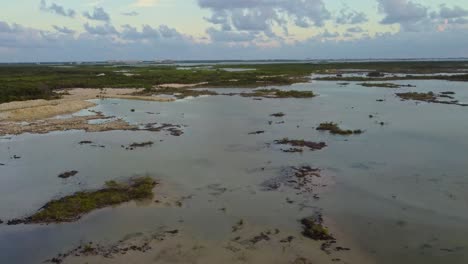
{"x": 98, "y": 30}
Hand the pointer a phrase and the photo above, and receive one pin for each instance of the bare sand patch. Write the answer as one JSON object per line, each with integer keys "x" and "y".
{"x": 39, "y": 109}
{"x": 73, "y": 123}
{"x": 73, "y": 100}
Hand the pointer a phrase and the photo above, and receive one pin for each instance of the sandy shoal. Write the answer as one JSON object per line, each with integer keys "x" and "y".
{"x": 73, "y": 100}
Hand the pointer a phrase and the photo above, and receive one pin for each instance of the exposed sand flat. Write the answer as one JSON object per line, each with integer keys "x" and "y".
{"x": 73, "y": 123}
{"x": 39, "y": 109}
{"x": 73, "y": 100}
{"x": 141, "y": 98}
{"x": 93, "y": 93}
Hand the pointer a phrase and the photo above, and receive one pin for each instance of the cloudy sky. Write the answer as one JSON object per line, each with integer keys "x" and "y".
{"x": 83, "y": 30}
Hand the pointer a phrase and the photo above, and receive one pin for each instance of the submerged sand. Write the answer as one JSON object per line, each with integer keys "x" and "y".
{"x": 251, "y": 244}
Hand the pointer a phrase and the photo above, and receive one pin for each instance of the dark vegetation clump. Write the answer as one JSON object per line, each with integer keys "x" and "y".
{"x": 10, "y": 90}
{"x": 276, "y": 93}
{"x": 68, "y": 174}
{"x": 73, "y": 207}
{"x": 179, "y": 93}
{"x": 257, "y": 132}
{"x": 293, "y": 150}
{"x": 140, "y": 145}
{"x": 303, "y": 179}
{"x": 431, "y": 97}
{"x": 427, "y": 97}
{"x": 385, "y": 85}
{"x": 375, "y": 74}
{"x": 174, "y": 130}
{"x": 301, "y": 143}
{"x": 280, "y": 114}
{"x": 333, "y": 128}
{"x": 312, "y": 227}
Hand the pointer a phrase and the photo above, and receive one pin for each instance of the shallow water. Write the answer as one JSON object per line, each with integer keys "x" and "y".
{"x": 398, "y": 193}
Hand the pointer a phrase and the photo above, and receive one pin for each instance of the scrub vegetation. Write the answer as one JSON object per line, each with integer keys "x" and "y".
{"x": 30, "y": 81}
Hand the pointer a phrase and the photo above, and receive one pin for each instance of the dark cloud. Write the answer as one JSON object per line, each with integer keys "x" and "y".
{"x": 402, "y": 11}
{"x": 19, "y": 43}
{"x": 262, "y": 15}
{"x": 4, "y": 27}
{"x": 15, "y": 36}
{"x": 352, "y": 17}
{"x": 454, "y": 12}
{"x": 102, "y": 30}
{"x": 416, "y": 17}
{"x": 327, "y": 35}
{"x": 56, "y": 9}
{"x": 229, "y": 36}
{"x": 168, "y": 32}
{"x": 461, "y": 21}
{"x": 98, "y": 14}
{"x": 63, "y": 30}
{"x": 132, "y": 33}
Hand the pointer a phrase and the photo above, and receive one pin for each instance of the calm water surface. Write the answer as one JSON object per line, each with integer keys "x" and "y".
{"x": 399, "y": 191}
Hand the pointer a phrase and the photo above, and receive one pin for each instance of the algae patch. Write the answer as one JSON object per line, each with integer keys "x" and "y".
{"x": 384, "y": 85}
{"x": 73, "y": 207}
{"x": 431, "y": 97}
{"x": 301, "y": 143}
{"x": 333, "y": 128}
{"x": 313, "y": 228}
{"x": 427, "y": 97}
{"x": 276, "y": 93}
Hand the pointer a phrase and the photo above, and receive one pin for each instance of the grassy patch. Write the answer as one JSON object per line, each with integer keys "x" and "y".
{"x": 71, "y": 208}
{"x": 333, "y": 128}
